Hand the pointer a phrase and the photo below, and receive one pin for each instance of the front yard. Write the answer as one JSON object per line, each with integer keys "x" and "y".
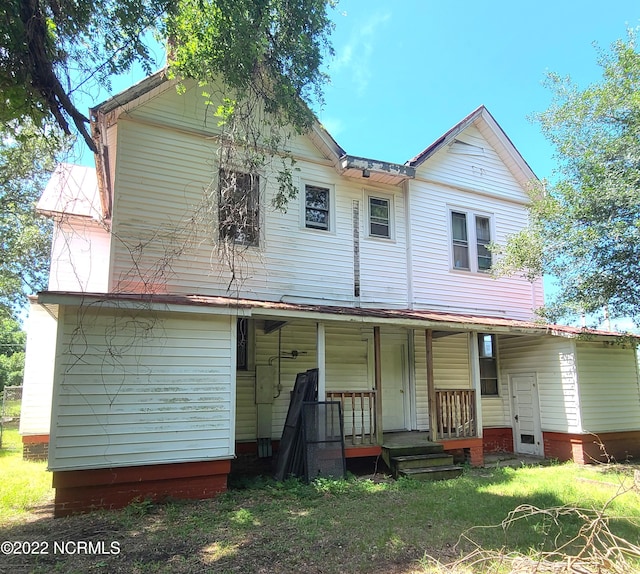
{"x": 361, "y": 525}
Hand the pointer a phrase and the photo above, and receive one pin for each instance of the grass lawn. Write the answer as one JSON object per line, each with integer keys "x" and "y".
{"x": 22, "y": 484}
{"x": 360, "y": 525}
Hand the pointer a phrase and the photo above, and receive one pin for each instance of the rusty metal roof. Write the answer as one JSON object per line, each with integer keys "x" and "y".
{"x": 410, "y": 317}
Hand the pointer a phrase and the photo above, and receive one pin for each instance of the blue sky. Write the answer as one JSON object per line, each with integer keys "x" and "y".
{"x": 405, "y": 72}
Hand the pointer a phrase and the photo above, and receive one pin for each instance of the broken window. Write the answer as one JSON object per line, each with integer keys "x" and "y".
{"x": 239, "y": 207}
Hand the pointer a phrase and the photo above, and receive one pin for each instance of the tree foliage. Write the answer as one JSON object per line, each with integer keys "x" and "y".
{"x": 272, "y": 48}
{"x": 27, "y": 158}
{"x": 12, "y": 345}
{"x": 51, "y": 49}
{"x": 585, "y": 229}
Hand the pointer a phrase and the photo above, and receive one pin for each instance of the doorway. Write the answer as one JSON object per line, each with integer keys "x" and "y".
{"x": 527, "y": 434}
{"x": 395, "y": 388}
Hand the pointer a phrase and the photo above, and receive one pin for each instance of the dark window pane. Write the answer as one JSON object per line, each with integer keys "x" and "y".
{"x": 238, "y": 210}
{"x": 489, "y": 386}
{"x": 379, "y": 217}
{"x": 483, "y": 239}
{"x": 488, "y": 369}
{"x": 459, "y": 226}
{"x": 527, "y": 439}
{"x": 316, "y": 207}
{"x": 460, "y": 256}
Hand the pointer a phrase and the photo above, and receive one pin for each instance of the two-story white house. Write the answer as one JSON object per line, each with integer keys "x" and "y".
{"x": 168, "y": 362}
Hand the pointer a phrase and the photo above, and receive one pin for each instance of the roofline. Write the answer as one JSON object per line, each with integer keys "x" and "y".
{"x": 372, "y": 165}
{"x": 480, "y": 112}
{"x": 425, "y": 319}
{"x": 131, "y": 93}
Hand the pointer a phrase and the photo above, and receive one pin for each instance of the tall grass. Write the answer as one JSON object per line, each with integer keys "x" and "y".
{"x": 23, "y": 484}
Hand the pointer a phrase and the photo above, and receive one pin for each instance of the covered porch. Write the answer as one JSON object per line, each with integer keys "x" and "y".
{"x": 387, "y": 378}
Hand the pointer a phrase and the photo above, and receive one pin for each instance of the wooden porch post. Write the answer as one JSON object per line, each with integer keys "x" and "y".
{"x": 474, "y": 362}
{"x": 431, "y": 387}
{"x": 378, "y": 382}
{"x": 322, "y": 371}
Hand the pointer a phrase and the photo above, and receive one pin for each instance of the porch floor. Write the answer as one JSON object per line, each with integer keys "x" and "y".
{"x": 406, "y": 439}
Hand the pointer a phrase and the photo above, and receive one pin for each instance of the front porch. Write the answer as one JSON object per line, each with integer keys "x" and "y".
{"x": 454, "y": 426}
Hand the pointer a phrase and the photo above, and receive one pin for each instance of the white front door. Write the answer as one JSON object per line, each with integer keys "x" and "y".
{"x": 527, "y": 435}
{"x": 394, "y": 385}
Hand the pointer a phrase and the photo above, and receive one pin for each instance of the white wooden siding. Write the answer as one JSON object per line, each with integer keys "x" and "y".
{"x": 35, "y": 417}
{"x": 553, "y": 361}
{"x": 161, "y": 178}
{"x": 479, "y": 184}
{"x": 609, "y": 389}
{"x": 135, "y": 388}
{"x": 299, "y": 336}
{"x": 451, "y": 362}
{"x": 79, "y": 256}
{"x": 420, "y": 374}
{"x": 246, "y": 411}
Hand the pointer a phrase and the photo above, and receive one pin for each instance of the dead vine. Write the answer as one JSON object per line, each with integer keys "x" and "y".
{"x": 594, "y": 549}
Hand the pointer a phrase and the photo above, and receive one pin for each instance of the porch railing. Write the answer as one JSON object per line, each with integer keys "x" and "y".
{"x": 455, "y": 413}
{"x": 359, "y": 414}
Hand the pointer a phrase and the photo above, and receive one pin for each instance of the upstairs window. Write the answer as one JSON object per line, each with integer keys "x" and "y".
{"x": 470, "y": 240}
{"x": 379, "y": 217}
{"x": 317, "y": 211}
{"x": 239, "y": 207}
{"x": 460, "y": 240}
{"x": 488, "y": 364}
{"x": 483, "y": 239}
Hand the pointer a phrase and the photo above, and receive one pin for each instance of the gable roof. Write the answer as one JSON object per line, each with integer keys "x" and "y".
{"x": 493, "y": 133}
{"x": 347, "y": 165}
{"x": 72, "y": 189}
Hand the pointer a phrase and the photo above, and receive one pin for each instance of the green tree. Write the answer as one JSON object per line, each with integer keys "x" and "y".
{"x": 12, "y": 345}
{"x": 27, "y": 158}
{"x": 52, "y": 49}
{"x": 585, "y": 229}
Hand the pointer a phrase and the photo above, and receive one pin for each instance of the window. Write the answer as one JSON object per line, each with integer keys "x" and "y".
{"x": 379, "y": 217}
{"x": 470, "y": 243}
{"x": 316, "y": 207}
{"x": 239, "y": 207}
{"x": 488, "y": 364}
{"x": 483, "y": 238}
{"x": 460, "y": 240}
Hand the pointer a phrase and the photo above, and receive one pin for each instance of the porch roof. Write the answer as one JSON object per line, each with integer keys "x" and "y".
{"x": 415, "y": 318}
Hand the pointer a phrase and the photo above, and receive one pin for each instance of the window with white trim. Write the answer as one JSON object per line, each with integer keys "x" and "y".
{"x": 379, "y": 217}
{"x": 239, "y": 207}
{"x": 317, "y": 207}
{"x": 488, "y": 364}
{"x": 470, "y": 240}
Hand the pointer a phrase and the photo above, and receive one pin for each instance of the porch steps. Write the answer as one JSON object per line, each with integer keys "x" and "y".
{"x": 423, "y": 461}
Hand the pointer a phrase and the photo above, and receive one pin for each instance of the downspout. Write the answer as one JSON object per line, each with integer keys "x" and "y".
{"x": 406, "y": 186}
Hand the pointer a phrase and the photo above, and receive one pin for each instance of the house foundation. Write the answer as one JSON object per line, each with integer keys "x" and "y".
{"x": 79, "y": 491}
{"x": 35, "y": 447}
{"x": 496, "y": 440}
{"x": 592, "y": 448}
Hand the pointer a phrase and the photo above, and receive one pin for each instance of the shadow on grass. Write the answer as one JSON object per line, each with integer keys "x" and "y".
{"x": 355, "y": 525}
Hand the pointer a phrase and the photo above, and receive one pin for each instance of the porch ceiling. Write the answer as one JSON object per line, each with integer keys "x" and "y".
{"x": 440, "y": 321}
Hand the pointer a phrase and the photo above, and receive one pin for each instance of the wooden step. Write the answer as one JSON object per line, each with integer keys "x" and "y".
{"x": 421, "y": 460}
{"x": 432, "y": 473}
{"x": 394, "y": 450}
